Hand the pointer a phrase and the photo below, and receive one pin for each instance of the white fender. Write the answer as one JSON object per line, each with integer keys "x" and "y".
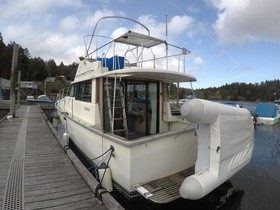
{"x": 207, "y": 112}
{"x": 65, "y": 137}
{"x": 225, "y": 144}
{"x": 198, "y": 185}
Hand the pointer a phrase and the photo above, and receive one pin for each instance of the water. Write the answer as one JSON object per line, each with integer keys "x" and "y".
{"x": 255, "y": 187}
{"x": 260, "y": 179}
{"x": 4, "y": 112}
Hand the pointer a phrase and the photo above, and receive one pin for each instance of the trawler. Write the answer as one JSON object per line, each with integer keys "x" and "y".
{"x": 117, "y": 113}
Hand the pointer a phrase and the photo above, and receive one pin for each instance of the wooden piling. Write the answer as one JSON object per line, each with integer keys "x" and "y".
{"x": 12, "y": 80}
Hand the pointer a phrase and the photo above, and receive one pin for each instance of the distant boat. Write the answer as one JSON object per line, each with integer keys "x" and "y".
{"x": 267, "y": 114}
{"x": 117, "y": 112}
{"x": 41, "y": 100}
{"x": 232, "y": 103}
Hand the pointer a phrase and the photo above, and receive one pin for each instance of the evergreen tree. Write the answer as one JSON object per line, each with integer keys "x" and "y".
{"x": 51, "y": 68}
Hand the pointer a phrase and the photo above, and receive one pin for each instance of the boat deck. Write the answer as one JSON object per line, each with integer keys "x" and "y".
{"x": 166, "y": 189}
{"x": 35, "y": 173}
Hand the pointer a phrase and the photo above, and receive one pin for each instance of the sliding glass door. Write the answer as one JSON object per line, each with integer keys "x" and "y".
{"x": 141, "y": 105}
{"x": 142, "y": 108}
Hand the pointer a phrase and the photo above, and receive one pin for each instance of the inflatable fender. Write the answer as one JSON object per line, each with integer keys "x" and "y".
{"x": 198, "y": 185}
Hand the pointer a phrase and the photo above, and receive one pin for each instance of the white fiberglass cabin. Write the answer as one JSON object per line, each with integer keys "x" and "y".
{"x": 117, "y": 113}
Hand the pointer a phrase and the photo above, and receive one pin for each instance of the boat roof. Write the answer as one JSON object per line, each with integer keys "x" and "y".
{"x": 139, "y": 40}
{"x": 167, "y": 76}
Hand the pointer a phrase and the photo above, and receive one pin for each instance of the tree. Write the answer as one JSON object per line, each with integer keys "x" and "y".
{"x": 23, "y": 64}
{"x": 38, "y": 67}
{"x": 51, "y": 68}
{"x": 6, "y": 60}
{"x": 2, "y": 59}
{"x": 72, "y": 69}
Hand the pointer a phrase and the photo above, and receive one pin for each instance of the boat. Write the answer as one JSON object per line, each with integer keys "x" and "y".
{"x": 40, "y": 100}
{"x": 117, "y": 113}
{"x": 267, "y": 114}
{"x": 277, "y": 104}
{"x": 232, "y": 103}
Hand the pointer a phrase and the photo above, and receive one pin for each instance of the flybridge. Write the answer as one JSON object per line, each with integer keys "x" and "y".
{"x": 133, "y": 50}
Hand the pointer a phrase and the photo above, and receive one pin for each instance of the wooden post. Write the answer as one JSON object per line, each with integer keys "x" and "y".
{"x": 12, "y": 80}
{"x": 18, "y": 93}
{"x": 45, "y": 87}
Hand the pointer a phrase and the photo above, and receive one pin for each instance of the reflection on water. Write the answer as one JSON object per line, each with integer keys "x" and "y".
{"x": 255, "y": 187}
{"x": 260, "y": 179}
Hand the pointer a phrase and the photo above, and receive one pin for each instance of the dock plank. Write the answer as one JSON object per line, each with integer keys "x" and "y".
{"x": 50, "y": 179}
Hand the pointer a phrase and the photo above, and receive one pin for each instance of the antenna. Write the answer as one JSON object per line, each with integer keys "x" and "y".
{"x": 166, "y": 39}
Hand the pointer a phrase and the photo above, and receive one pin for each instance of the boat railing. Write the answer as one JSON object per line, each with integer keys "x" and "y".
{"x": 131, "y": 50}
{"x": 61, "y": 94}
{"x": 131, "y": 58}
{"x": 174, "y": 61}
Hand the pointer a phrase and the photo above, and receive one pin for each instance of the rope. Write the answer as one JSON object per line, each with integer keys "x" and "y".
{"x": 111, "y": 154}
{"x": 111, "y": 148}
{"x": 99, "y": 163}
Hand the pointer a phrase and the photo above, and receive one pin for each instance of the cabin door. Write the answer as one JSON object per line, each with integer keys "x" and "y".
{"x": 142, "y": 108}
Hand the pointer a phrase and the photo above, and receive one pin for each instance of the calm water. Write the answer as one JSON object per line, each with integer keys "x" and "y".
{"x": 255, "y": 187}
{"x": 3, "y": 112}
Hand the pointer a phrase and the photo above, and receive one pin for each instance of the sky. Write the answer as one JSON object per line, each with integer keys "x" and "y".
{"x": 229, "y": 40}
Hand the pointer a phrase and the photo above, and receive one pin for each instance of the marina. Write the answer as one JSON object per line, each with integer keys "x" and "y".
{"x": 153, "y": 113}
{"x": 253, "y": 188}
{"x": 35, "y": 172}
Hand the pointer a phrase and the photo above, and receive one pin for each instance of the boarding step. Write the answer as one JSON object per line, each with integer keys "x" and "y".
{"x": 166, "y": 189}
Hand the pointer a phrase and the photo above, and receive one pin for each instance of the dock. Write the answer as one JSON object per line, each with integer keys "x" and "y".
{"x": 37, "y": 173}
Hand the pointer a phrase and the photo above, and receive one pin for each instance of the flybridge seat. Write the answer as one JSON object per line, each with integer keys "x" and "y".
{"x": 113, "y": 63}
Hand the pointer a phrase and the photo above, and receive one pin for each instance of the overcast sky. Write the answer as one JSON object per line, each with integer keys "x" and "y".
{"x": 230, "y": 40}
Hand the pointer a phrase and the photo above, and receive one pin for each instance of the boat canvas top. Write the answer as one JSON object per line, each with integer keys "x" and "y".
{"x": 140, "y": 40}
{"x": 266, "y": 110}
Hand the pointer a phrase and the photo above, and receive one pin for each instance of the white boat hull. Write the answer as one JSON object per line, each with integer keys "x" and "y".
{"x": 138, "y": 161}
{"x": 267, "y": 120}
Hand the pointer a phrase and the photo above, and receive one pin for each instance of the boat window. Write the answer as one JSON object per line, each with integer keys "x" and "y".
{"x": 84, "y": 91}
{"x": 72, "y": 90}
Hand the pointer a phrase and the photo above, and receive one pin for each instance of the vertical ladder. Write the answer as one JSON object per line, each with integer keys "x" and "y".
{"x": 112, "y": 107}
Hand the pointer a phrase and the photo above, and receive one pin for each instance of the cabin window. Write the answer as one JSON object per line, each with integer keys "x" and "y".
{"x": 141, "y": 106}
{"x": 72, "y": 90}
{"x": 84, "y": 91}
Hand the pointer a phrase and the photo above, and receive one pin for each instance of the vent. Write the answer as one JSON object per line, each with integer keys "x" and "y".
{"x": 13, "y": 197}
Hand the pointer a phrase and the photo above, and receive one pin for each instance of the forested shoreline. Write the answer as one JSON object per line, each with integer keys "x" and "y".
{"x": 36, "y": 69}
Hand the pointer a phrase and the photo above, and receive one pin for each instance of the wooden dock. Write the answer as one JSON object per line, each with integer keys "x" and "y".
{"x": 35, "y": 172}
